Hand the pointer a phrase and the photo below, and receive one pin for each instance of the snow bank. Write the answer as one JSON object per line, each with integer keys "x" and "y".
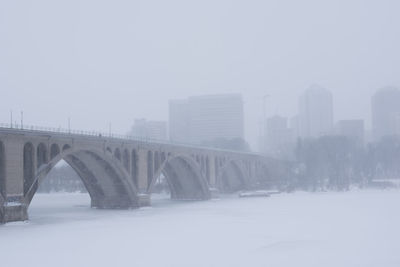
{"x": 301, "y": 229}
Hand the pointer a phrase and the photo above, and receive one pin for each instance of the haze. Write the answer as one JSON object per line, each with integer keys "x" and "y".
{"x": 112, "y": 61}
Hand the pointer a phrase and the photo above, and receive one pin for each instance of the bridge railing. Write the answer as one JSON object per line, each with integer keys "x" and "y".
{"x": 60, "y": 130}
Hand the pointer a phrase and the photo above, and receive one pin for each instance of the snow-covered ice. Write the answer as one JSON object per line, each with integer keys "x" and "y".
{"x": 360, "y": 228}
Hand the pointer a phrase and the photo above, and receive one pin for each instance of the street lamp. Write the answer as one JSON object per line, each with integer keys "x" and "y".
{"x": 264, "y": 120}
{"x": 265, "y": 97}
{"x": 22, "y": 119}
{"x": 11, "y": 118}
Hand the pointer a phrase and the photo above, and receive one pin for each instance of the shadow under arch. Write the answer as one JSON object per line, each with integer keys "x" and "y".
{"x": 231, "y": 177}
{"x": 106, "y": 181}
{"x": 184, "y": 178}
{"x": 2, "y": 171}
{"x": 266, "y": 175}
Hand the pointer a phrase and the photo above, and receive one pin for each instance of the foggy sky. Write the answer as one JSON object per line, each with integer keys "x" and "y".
{"x": 113, "y": 61}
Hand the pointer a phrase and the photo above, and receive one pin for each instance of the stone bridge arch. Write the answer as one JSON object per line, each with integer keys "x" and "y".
{"x": 270, "y": 174}
{"x": 54, "y": 151}
{"x": 2, "y": 180}
{"x": 232, "y": 176}
{"x": 104, "y": 176}
{"x": 184, "y": 177}
{"x": 2, "y": 171}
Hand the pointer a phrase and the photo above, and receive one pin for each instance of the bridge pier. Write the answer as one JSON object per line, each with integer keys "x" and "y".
{"x": 12, "y": 204}
{"x": 144, "y": 200}
{"x": 13, "y": 212}
{"x": 212, "y": 182}
{"x": 112, "y": 202}
{"x": 143, "y": 179}
{"x": 213, "y": 176}
{"x": 142, "y": 176}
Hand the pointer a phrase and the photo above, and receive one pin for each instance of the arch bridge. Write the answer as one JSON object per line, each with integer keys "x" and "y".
{"x": 119, "y": 173}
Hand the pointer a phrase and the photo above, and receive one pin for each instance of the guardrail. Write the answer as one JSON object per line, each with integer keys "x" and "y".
{"x": 69, "y": 131}
{"x": 61, "y": 130}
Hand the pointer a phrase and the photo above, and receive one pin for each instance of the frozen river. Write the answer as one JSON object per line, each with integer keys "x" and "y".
{"x": 359, "y": 228}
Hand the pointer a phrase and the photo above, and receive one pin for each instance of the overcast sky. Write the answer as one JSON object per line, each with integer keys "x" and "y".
{"x": 100, "y": 61}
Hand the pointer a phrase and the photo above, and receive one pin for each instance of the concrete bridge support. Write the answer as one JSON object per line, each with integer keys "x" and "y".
{"x": 13, "y": 207}
{"x": 143, "y": 171}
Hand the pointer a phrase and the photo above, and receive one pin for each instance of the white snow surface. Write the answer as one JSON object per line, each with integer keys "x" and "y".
{"x": 358, "y": 228}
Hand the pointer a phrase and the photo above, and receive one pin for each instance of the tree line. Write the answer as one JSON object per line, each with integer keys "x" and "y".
{"x": 339, "y": 162}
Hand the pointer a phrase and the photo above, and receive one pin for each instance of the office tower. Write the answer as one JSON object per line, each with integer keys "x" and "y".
{"x": 179, "y": 123}
{"x": 315, "y": 112}
{"x": 279, "y": 139}
{"x": 385, "y": 112}
{"x": 200, "y": 119}
{"x": 154, "y": 130}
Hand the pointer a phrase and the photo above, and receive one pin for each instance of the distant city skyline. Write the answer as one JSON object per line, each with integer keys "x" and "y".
{"x": 315, "y": 119}
{"x": 368, "y": 128}
{"x": 98, "y": 71}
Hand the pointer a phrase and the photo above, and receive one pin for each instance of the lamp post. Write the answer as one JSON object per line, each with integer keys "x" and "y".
{"x": 11, "y": 118}
{"x": 264, "y": 120}
{"x": 22, "y": 119}
{"x": 265, "y": 97}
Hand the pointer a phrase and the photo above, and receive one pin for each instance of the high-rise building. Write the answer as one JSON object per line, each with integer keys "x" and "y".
{"x": 315, "y": 112}
{"x": 353, "y": 129}
{"x": 156, "y": 130}
{"x": 206, "y": 118}
{"x": 279, "y": 138}
{"x": 385, "y": 112}
{"x": 397, "y": 121}
{"x": 179, "y": 123}
{"x": 294, "y": 125}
